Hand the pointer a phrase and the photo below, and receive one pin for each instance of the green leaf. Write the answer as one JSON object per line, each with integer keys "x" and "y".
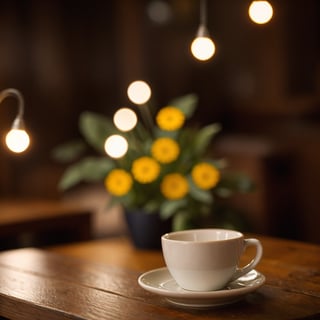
{"x": 181, "y": 221}
{"x": 170, "y": 207}
{"x": 187, "y": 104}
{"x": 69, "y": 151}
{"x": 203, "y": 196}
{"x": 218, "y": 163}
{"x": 204, "y": 136}
{"x": 151, "y": 206}
{"x": 96, "y": 128}
{"x": 234, "y": 182}
{"x": 87, "y": 170}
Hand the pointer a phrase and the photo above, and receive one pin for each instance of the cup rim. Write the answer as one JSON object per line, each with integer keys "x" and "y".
{"x": 166, "y": 236}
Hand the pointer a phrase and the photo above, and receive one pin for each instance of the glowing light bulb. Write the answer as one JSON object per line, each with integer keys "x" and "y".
{"x": 139, "y": 92}
{"x": 203, "y": 48}
{"x": 260, "y": 11}
{"x": 125, "y": 119}
{"x": 17, "y": 140}
{"x": 116, "y": 146}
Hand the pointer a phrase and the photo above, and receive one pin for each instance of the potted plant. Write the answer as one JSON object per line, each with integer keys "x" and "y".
{"x": 165, "y": 171}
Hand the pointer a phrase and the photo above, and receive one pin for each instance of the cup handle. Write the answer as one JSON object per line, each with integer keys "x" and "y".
{"x": 259, "y": 250}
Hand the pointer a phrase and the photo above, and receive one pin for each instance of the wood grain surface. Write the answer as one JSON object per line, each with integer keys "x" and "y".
{"x": 98, "y": 280}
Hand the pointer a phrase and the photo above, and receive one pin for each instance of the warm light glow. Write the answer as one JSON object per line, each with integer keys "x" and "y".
{"x": 125, "y": 119}
{"x": 202, "y": 48}
{"x": 116, "y": 146}
{"x": 17, "y": 140}
{"x": 139, "y": 92}
{"x": 159, "y": 11}
{"x": 260, "y": 12}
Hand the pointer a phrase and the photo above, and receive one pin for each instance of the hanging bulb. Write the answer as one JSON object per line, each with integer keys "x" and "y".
{"x": 17, "y": 140}
{"x": 260, "y": 12}
{"x": 139, "y": 92}
{"x": 116, "y": 146}
{"x": 202, "y": 47}
{"x": 125, "y": 119}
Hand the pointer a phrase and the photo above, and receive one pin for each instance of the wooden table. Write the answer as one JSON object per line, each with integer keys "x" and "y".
{"x": 40, "y": 222}
{"x": 98, "y": 280}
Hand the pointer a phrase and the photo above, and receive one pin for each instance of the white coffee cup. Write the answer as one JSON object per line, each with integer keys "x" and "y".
{"x": 207, "y": 259}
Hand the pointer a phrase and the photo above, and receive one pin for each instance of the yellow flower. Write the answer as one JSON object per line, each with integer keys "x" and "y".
{"x": 174, "y": 186}
{"x": 165, "y": 150}
{"x": 205, "y": 175}
{"x": 170, "y": 118}
{"x": 118, "y": 182}
{"x": 145, "y": 169}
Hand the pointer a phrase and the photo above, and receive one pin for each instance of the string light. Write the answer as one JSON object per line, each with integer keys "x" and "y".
{"x": 116, "y": 146}
{"x": 125, "y": 119}
{"x": 260, "y": 12}
{"x": 139, "y": 92}
{"x": 17, "y": 139}
{"x": 203, "y": 47}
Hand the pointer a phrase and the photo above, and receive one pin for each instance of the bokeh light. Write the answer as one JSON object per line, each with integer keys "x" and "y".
{"x": 125, "y": 119}
{"x": 116, "y": 146}
{"x": 17, "y": 140}
{"x": 203, "y": 48}
{"x": 159, "y": 11}
{"x": 260, "y": 12}
{"x": 139, "y": 92}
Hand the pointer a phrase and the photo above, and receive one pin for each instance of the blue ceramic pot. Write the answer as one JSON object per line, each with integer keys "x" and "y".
{"x": 146, "y": 229}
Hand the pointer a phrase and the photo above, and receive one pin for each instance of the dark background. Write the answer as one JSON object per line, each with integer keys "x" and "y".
{"x": 263, "y": 86}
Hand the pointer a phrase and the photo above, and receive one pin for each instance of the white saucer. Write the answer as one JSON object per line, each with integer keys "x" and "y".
{"x": 160, "y": 281}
